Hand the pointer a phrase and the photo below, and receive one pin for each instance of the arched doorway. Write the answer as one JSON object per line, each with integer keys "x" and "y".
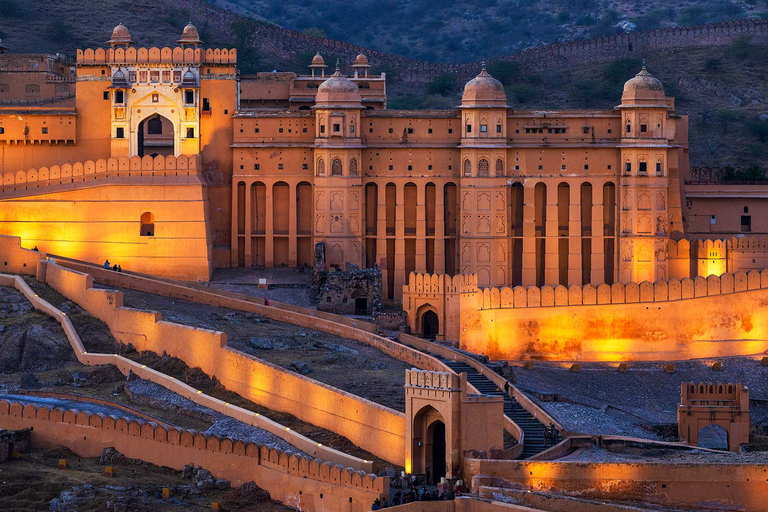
{"x": 713, "y": 437}
{"x": 156, "y": 136}
{"x": 430, "y": 325}
{"x": 429, "y": 444}
{"x": 436, "y": 436}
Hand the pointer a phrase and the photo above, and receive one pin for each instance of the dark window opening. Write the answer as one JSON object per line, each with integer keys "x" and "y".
{"x": 658, "y": 168}
{"x": 206, "y": 105}
{"x": 155, "y": 126}
{"x": 322, "y": 128}
{"x": 189, "y": 97}
{"x": 483, "y": 128}
{"x": 643, "y": 168}
{"x": 469, "y": 128}
{"x": 119, "y": 97}
{"x": 746, "y": 223}
{"x": 106, "y": 95}
{"x": 643, "y": 128}
{"x": 336, "y": 127}
{"x": 628, "y": 168}
{"x": 190, "y": 133}
{"x": 120, "y": 133}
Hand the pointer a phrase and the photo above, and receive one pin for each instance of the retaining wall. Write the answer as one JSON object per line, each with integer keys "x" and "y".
{"x": 691, "y": 485}
{"x": 297, "y": 481}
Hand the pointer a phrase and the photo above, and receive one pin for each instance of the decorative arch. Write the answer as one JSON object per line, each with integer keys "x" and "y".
{"x": 353, "y": 167}
{"x": 428, "y": 319}
{"x": 320, "y": 167}
{"x": 429, "y": 443}
{"x": 499, "y": 167}
{"x": 336, "y": 167}
{"x": 483, "y": 168}
{"x": 467, "y": 168}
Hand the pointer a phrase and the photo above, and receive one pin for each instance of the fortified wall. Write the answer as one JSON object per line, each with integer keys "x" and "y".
{"x": 679, "y": 318}
{"x": 294, "y": 479}
{"x": 156, "y": 220}
{"x": 287, "y": 43}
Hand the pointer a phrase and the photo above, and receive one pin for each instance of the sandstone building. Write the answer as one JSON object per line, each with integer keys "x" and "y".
{"x": 170, "y": 162}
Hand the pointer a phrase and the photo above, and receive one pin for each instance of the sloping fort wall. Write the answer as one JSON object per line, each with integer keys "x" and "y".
{"x": 296, "y": 480}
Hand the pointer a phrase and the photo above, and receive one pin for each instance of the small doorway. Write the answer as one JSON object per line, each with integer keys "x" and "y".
{"x": 430, "y": 325}
{"x": 438, "y": 451}
{"x": 361, "y": 306}
{"x": 713, "y": 437}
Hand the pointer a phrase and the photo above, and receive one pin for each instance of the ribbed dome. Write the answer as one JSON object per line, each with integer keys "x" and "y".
{"x": 190, "y": 35}
{"x": 318, "y": 61}
{"x": 120, "y": 35}
{"x": 361, "y": 61}
{"x": 643, "y": 88}
{"x": 484, "y": 90}
{"x": 338, "y": 90}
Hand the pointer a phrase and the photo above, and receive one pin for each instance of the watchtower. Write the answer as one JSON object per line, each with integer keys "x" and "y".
{"x": 724, "y": 405}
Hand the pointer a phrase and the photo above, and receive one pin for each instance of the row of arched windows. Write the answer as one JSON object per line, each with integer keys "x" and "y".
{"x": 484, "y": 168}
{"x": 337, "y": 168}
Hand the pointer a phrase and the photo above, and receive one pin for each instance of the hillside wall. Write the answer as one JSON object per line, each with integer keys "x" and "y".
{"x": 371, "y": 426}
{"x": 297, "y": 481}
{"x": 287, "y": 43}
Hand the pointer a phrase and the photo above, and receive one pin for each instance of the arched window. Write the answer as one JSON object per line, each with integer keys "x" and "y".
{"x": 353, "y": 167}
{"x": 352, "y": 127}
{"x": 336, "y": 167}
{"x": 499, "y": 167}
{"x": 467, "y": 168}
{"x": 482, "y": 168}
{"x": 155, "y": 126}
{"x": 147, "y": 224}
{"x": 321, "y": 167}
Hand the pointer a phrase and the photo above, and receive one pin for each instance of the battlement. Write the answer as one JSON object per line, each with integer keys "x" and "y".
{"x": 184, "y": 168}
{"x": 293, "y": 464}
{"x": 433, "y": 380}
{"x": 618, "y": 293}
{"x": 154, "y": 55}
{"x": 438, "y": 284}
{"x": 712, "y": 394}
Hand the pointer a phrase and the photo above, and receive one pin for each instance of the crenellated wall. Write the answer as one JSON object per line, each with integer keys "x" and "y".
{"x": 176, "y": 55}
{"x": 296, "y": 480}
{"x": 96, "y": 210}
{"x": 184, "y": 169}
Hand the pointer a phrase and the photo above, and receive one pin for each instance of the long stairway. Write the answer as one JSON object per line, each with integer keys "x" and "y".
{"x": 532, "y": 428}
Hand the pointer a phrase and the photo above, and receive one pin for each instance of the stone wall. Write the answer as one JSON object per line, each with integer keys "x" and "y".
{"x": 669, "y": 485}
{"x": 337, "y": 291}
{"x": 296, "y": 480}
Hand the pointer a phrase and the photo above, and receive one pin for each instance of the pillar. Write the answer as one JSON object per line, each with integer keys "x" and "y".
{"x": 574, "y": 236}
{"x": 399, "y": 240}
{"x": 421, "y": 227}
{"x": 551, "y": 262}
{"x": 440, "y": 228}
{"x": 598, "y": 254}
{"x": 292, "y": 231}
{"x": 248, "y": 224}
{"x": 269, "y": 246}
{"x": 529, "y": 234}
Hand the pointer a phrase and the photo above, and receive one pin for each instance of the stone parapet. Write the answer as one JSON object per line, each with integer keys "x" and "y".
{"x": 177, "y": 55}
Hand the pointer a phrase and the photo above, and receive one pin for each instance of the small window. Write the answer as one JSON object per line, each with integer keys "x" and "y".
{"x": 429, "y": 130}
{"x": 410, "y": 130}
{"x": 255, "y": 130}
{"x": 351, "y": 128}
{"x": 322, "y": 128}
{"x": 2, "y": 130}
{"x": 280, "y": 166}
{"x": 643, "y": 168}
{"x": 483, "y": 128}
{"x": 190, "y": 133}
{"x": 610, "y": 131}
{"x": 498, "y": 128}
{"x": 303, "y": 130}
{"x": 643, "y": 128}
{"x": 629, "y": 128}
{"x": 746, "y": 209}
{"x": 206, "y": 105}
{"x": 390, "y": 130}
{"x": 106, "y": 95}
{"x": 119, "y": 97}
{"x": 189, "y": 97}
{"x": 155, "y": 98}
{"x": 628, "y": 168}
{"x": 45, "y": 130}
{"x": 429, "y": 167}
{"x": 746, "y": 223}
{"x": 586, "y": 130}
{"x": 450, "y": 130}
{"x": 469, "y": 128}
{"x": 120, "y": 133}
{"x": 586, "y": 167}
{"x": 336, "y": 127}
{"x": 713, "y": 219}
{"x": 658, "y": 169}
{"x": 280, "y": 130}
{"x": 256, "y": 167}
{"x": 147, "y": 224}
{"x": 304, "y": 166}
{"x": 410, "y": 167}
{"x": 391, "y": 168}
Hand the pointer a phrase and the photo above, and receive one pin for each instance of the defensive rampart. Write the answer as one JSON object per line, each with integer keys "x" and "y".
{"x": 177, "y": 55}
{"x": 287, "y": 43}
{"x": 126, "y": 365}
{"x": 297, "y": 480}
{"x": 171, "y": 170}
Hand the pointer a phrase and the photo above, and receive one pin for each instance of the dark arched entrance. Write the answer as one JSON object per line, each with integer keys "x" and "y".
{"x": 430, "y": 325}
{"x": 713, "y": 437}
{"x": 156, "y": 137}
{"x": 438, "y": 451}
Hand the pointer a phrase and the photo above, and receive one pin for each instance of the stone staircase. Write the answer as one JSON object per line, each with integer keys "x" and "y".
{"x": 532, "y": 428}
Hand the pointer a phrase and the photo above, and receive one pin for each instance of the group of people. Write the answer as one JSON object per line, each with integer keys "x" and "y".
{"x": 552, "y": 436}
{"x": 418, "y": 492}
{"x": 115, "y": 267}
